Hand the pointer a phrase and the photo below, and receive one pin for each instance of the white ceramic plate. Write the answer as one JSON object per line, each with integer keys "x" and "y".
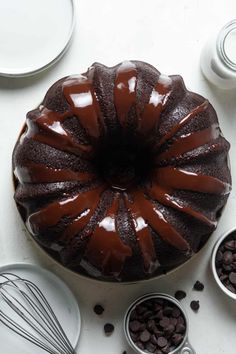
{"x": 59, "y": 297}
{"x": 33, "y": 34}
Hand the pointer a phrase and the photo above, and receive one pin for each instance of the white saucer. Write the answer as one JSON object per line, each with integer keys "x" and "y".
{"x": 59, "y": 297}
{"x": 34, "y": 34}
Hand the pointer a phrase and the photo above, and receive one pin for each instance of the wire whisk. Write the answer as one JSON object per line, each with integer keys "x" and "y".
{"x": 25, "y": 310}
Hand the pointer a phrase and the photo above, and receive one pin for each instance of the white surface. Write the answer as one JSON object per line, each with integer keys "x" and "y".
{"x": 169, "y": 35}
{"x": 58, "y": 296}
{"x": 30, "y": 36}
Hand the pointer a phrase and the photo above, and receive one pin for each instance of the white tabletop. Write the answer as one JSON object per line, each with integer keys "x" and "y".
{"x": 169, "y": 35}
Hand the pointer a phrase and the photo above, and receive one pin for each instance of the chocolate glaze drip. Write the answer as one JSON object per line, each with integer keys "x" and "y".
{"x": 106, "y": 250}
{"x": 125, "y": 90}
{"x": 157, "y": 103}
{"x": 38, "y": 173}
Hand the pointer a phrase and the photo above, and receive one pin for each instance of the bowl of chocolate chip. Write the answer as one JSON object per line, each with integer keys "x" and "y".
{"x": 223, "y": 263}
{"x": 157, "y": 323}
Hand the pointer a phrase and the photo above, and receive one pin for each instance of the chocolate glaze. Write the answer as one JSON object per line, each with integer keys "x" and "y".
{"x": 107, "y": 250}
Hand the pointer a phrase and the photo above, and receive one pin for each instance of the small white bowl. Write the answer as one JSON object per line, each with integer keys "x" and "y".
{"x": 213, "y": 263}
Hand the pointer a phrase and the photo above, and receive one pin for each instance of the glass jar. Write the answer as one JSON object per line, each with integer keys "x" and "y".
{"x": 218, "y": 57}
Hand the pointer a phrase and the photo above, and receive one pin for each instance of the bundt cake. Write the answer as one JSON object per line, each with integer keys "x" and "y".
{"x": 121, "y": 173}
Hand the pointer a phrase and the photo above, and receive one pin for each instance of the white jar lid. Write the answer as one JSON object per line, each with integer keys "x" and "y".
{"x": 34, "y": 34}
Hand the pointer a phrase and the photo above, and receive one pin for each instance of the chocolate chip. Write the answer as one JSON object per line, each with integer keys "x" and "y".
{"x": 232, "y": 278}
{"x": 231, "y": 288}
{"x": 230, "y": 245}
{"x": 140, "y": 345}
{"x": 180, "y": 320}
{"x": 134, "y": 336}
{"x": 227, "y": 268}
{"x": 153, "y": 339}
{"x": 167, "y": 311}
{"x": 151, "y": 325}
{"x": 194, "y": 305}
{"x": 173, "y": 321}
{"x": 177, "y": 339}
{"x": 160, "y": 314}
{"x": 164, "y": 322}
{"x": 145, "y": 336}
{"x": 150, "y": 347}
{"x": 146, "y": 315}
{"x": 124, "y": 352}
{"x": 140, "y": 309}
{"x": 98, "y": 309}
{"x": 134, "y": 326}
{"x": 219, "y": 256}
{"x": 180, "y": 328}
{"x": 176, "y": 312}
{"x": 161, "y": 342}
{"x": 227, "y": 257}
{"x": 180, "y": 294}
{"x": 108, "y": 328}
{"x": 198, "y": 286}
{"x": 166, "y": 349}
{"x": 133, "y": 315}
{"x": 169, "y": 329}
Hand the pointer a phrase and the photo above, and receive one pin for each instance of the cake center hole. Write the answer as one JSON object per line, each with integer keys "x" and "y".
{"x": 124, "y": 164}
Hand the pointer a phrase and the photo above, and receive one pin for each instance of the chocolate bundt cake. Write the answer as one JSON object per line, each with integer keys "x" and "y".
{"x": 121, "y": 173}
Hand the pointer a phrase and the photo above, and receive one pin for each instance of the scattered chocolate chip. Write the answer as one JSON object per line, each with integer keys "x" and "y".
{"x": 180, "y": 294}
{"x": 194, "y": 305}
{"x": 198, "y": 286}
{"x": 145, "y": 336}
{"x": 98, "y": 309}
{"x": 232, "y": 278}
{"x": 108, "y": 328}
{"x": 161, "y": 342}
{"x": 124, "y": 352}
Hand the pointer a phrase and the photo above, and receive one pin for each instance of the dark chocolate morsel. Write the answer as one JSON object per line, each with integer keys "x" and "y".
{"x": 180, "y": 294}
{"x": 195, "y": 305}
{"x": 109, "y": 328}
{"x": 98, "y": 309}
{"x": 145, "y": 336}
{"x": 198, "y": 286}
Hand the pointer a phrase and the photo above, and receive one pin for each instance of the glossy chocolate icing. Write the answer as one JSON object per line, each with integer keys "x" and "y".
{"x": 106, "y": 251}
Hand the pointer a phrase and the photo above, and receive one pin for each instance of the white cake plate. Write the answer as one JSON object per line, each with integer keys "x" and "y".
{"x": 33, "y": 34}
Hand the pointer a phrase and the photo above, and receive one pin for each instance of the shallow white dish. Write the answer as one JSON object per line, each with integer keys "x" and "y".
{"x": 213, "y": 263}
{"x": 59, "y": 297}
{"x": 33, "y": 34}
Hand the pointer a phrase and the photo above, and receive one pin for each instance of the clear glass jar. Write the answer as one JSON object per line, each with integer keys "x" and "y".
{"x": 218, "y": 57}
